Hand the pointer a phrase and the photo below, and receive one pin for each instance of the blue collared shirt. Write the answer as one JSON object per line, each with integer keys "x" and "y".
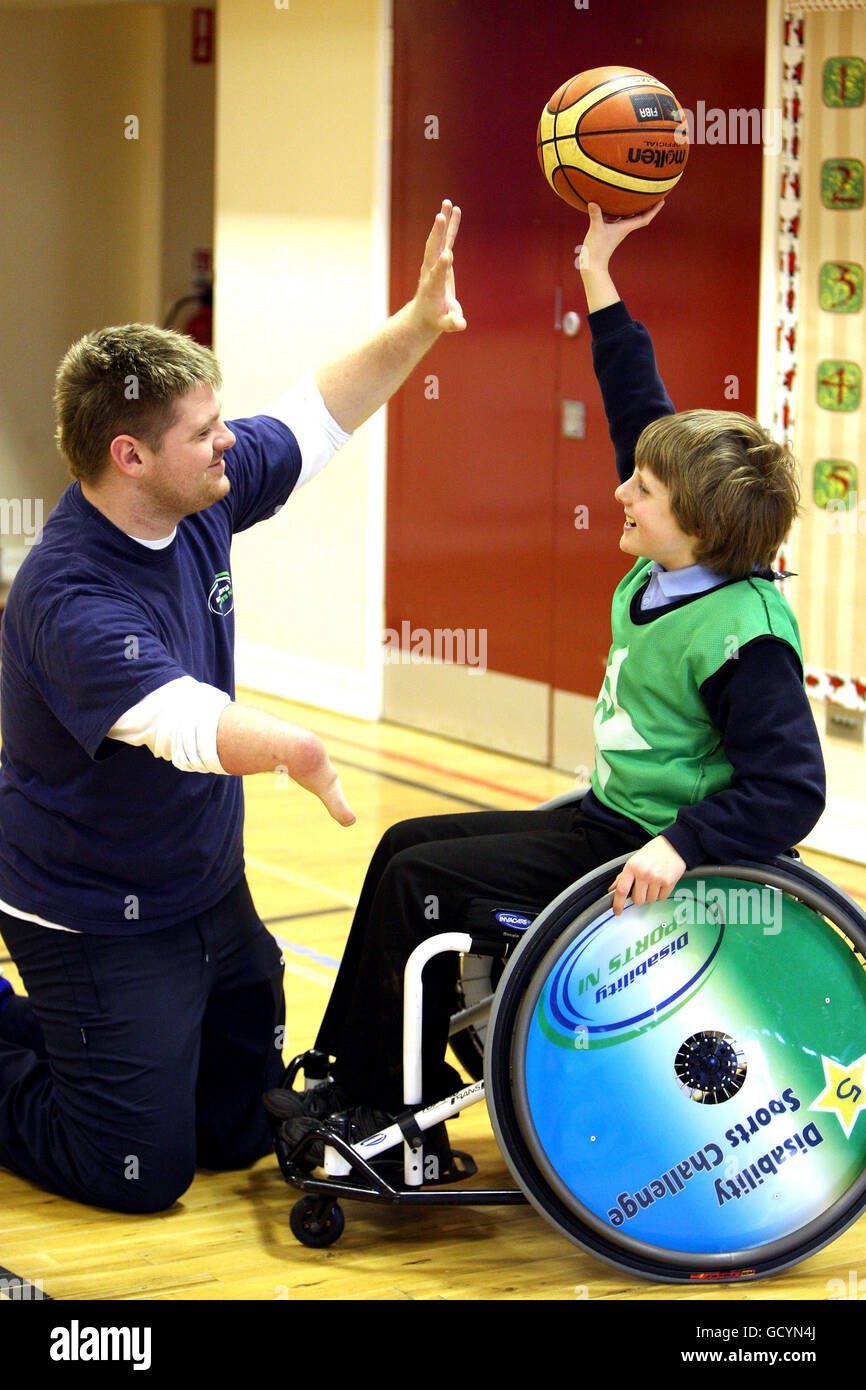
{"x": 667, "y": 585}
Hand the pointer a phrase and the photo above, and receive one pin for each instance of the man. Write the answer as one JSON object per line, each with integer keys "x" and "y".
{"x": 154, "y": 991}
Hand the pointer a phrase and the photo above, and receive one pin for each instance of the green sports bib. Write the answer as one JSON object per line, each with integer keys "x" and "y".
{"x": 656, "y": 748}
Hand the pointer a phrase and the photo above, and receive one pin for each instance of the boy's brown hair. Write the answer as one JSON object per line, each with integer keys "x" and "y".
{"x": 729, "y": 484}
{"x": 124, "y": 380}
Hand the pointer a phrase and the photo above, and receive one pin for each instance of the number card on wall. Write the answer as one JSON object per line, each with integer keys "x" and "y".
{"x": 840, "y": 287}
{"x": 844, "y": 81}
{"x": 824, "y": 235}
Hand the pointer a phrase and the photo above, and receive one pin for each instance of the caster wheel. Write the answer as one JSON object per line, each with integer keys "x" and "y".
{"x": 316, "y": 1222}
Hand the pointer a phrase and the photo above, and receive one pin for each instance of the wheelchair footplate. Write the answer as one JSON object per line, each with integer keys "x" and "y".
{"x": 391, "y": 1166}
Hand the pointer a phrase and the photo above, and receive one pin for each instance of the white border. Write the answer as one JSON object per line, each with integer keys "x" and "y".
{"x": 770, "y": 220}
{"x": 378, "y": 425}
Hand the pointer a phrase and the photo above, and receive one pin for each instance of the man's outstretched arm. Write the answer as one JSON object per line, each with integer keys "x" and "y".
{"x": 356, "y": 384}
{"x": 249, "y": 740}
{"x": 200, "y": 729}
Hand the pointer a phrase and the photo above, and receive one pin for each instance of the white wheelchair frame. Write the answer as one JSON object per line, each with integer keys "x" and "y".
{"x": 336, "y": 1165}
{"x": 341, "y": 1158}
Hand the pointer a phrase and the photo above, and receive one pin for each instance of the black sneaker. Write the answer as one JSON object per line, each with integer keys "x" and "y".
{"x": 442, "y": 1164}
{"x": 316, "y": 1103}
{"x": 353, "y": 1125}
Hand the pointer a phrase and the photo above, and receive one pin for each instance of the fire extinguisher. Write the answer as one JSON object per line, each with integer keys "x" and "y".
{"x": 193, "y": 314}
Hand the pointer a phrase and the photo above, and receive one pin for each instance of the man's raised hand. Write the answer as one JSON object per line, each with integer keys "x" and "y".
{"x": 435, "y": 298}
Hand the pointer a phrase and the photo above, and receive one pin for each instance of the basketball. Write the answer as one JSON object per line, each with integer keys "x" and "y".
{"x": 613, "y": 136}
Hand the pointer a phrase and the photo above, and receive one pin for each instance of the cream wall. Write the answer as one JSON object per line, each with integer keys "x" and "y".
{"x": 302, "y": 136}
{"x": 188, "y": 164}
{"x": 80, "y": 232}
{"x": 97, "y": 228}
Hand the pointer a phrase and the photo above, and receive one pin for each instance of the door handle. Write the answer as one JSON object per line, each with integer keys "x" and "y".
{"x": 567, "y": 323}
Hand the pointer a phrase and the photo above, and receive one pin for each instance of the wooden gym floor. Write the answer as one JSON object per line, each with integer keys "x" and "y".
{"x": 229, "y": 1238}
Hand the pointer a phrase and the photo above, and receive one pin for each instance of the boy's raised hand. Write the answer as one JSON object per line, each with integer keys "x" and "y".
{"x": 599, "y": 244}
{"x": 604, "y": 236}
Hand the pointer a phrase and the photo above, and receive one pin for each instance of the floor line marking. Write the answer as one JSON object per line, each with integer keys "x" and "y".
{"x": 417, "y": 786}
{"x": 14, "y": 1288}
{"x": 435, "y": 767}
{"x": 316, "y": 956}
{"x": 300, "y": 880}
{"x": 300, "y": 972}
{"x": 302, "y": 916}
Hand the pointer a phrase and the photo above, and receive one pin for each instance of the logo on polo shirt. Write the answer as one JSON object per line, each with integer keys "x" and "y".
{"x": 220, "y": 600}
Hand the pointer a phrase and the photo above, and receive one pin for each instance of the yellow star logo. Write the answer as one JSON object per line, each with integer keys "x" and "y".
{"x": 845, "y": 1091}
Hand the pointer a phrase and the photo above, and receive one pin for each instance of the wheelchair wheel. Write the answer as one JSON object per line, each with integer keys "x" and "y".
{"x": 681, "y": 1090}
{"x": 317, "y": 1221}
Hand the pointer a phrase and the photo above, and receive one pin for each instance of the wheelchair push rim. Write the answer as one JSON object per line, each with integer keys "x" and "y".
{"x": 681, "y": 1089}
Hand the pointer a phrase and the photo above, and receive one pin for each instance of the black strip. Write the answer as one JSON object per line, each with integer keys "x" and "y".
{"x": 638, "y": 130}
{"x": 641, "y": 616}
{"x": 410, "y": 1129}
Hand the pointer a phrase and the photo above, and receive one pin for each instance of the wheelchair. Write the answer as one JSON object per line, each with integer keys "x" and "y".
{"x": 679, "y": 1090}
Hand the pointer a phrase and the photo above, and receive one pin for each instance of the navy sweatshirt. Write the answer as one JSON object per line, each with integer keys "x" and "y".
{"x": 96, "y": 835}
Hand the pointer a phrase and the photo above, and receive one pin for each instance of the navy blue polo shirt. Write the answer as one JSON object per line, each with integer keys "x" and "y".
{"x": 96, "y": 835}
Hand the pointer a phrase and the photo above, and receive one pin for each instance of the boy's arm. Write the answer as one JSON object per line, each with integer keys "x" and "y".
{"x": 599, "y": 244}
{"x": 776, "y": 796}
{"x": 622, "y": 352}
{"x": 650, "y": 874}
{"x": 758, "y": 702}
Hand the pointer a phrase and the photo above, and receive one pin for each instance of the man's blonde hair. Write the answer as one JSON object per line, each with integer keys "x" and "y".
{"x": 729, "y": 484}
{"x": 124, "y": 380}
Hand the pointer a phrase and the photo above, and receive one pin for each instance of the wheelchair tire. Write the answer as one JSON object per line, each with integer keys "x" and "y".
{"x": 681, "y": 1090}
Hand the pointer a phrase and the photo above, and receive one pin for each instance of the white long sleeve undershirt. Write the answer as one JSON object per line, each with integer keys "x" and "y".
{"x": 179, "y": 720}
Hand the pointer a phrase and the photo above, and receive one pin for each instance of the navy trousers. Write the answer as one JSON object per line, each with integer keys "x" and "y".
{"x": 133, "y": 1060}
{"x": 436, "y": 874}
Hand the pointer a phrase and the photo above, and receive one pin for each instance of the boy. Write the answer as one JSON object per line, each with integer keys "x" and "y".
{"x": 706, "y": 749}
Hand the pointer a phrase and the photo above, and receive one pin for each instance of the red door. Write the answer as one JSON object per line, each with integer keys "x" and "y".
{"x": 484, "y": 489}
